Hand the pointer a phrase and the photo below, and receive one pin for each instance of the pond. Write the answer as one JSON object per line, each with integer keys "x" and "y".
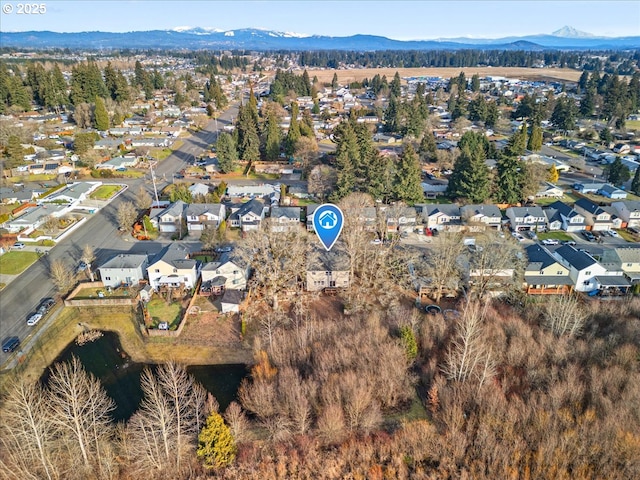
{"x": 120, "y": 377}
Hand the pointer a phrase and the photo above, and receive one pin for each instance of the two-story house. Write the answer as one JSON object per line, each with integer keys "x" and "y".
{"x": 583, "y": 268}
{"x": 544, "y": 274}
{"x": 124, "y": 269}
{"x": 310, "y": 211}
{"x": 173, "y": 268}
{"x": 284, "y": 218}
{"x": 202, "y": 215}
{"x": 328, "y": 270}
{"x": 442, "y": 217}
{"x": 561, "y": 216}
{"x": 480, "y": 217}
{"x": 401, "y": 219}
{"x": 629, "y": 212}
{"x": 596, "y": 217}
{"x": 229, "y": 272}
{"x": 526, "y": 218}
{"x": 249, "y": 216}
{"x": 172, "y": 218}
{"x": 625, "y": 259}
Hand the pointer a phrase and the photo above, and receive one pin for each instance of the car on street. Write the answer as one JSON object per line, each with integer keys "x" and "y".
{"x": 18, "y": 245}
{"x": 45, "y": 305}
{"x": 517, "y": 236}
{"x": 82, "y": 266}
{"x": 9, "y": 344}
{"x": 588, "y": 236}
{"x": 33, "y": 319}
{"x": 550, "y": 241}
{"x": 614, "y": 234}
{"x": 569, "y": 242}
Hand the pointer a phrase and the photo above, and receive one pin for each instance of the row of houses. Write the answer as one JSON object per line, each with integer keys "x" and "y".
{"x": 583, "y": 215}
{"x": 566, "y": 268}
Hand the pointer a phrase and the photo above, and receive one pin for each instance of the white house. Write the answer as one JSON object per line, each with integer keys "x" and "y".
{"x": 227, "y": 273}
{"x": 596, "y": 216}
{"x": 480, "y": 217}
{"x": 629, "y": 212}
{"x": 526, "y": 218}
{"x": 284, "y": 218}
{"x": 173, "y": 268}
{"x": 249, "y": 216}
{"x": 562, "y": 216}
{"x": 583, "y": 268}
{"x": 442, "y": 216}
{"x": 171, "y": 218}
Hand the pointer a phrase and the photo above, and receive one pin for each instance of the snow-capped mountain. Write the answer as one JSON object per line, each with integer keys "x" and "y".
{"x": 261, "y": 39}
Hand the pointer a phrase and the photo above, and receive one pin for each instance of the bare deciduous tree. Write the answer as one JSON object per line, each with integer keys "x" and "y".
{"x": 563, "y": 315}
{"x": 238, "y": 422}
{"x": 61, "y": 276}
{"x": 279, "y": 259}
{"x": 143, "y": 199}
{"x": 126, "y": 214}
{"x": 468, "y": 355}
{"x": 442, "y": 265}
{"x": 27, "y": 435}
{"x": 321, "y": 181}
{"x": 81, "y": 414}
{"x": 496, "y": 262}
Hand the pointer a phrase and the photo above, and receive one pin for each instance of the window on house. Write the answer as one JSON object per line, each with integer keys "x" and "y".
{"x": 186, "y": 279}
{"x": 559, "y": 272}
{"x": 236, "y": 272}
{"x": 332, "y": 283}
{"x": 588, "y": 272}
{"x": 107, "y": 278}
{"x": 157, "y": 270}
{"x": 586, "y": 282}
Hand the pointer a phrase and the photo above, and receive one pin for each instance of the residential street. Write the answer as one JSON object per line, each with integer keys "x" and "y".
{"x": 23, "y": 294}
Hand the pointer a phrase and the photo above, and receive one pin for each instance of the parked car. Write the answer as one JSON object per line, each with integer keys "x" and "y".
{"x": 18, "y": 245}
{"x": 588, "y": 236}
{"x": 10, "y": 344}
{"x": 550, "y": 241}
{"x": 33, "y": 319}
{"x": 45, "y": 305}
{"x": 82, "y": 267}
{"x": 224, "y": 249}
{"x": 517, "y": 236}
{"x": 614, "y": 234}
{"x": 569, "y": 242}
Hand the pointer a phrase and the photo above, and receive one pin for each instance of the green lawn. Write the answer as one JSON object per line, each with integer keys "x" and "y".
{"x": 130, "y": 174}
{"x": 159, "y": 311}
{"x": 15, "y": 262}
{"x": 632, "y": 124}
{"x": 567, "y": 198}
{"x": 555, "y": 235}
{"x": 629, "y": 237}
{"x": 105, "y": 192}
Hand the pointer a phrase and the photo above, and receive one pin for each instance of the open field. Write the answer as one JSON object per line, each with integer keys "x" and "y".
{"x": 105, "y": 192}
{"x": 347, "y": 76}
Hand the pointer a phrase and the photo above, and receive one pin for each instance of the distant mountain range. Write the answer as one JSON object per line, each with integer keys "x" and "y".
{"x": 567, "y": 38}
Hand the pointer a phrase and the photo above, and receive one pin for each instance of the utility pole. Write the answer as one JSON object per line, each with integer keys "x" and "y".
{"x": 153, "y": 179}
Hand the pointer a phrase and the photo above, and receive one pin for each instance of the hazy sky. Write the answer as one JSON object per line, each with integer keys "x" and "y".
{"x": 402, "y": 20}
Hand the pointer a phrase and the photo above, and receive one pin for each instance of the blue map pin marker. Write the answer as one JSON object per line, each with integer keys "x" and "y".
{"x": 328, "y": 221}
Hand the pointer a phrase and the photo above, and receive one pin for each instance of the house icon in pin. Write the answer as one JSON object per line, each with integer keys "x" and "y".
{"x": 328, "y": 220}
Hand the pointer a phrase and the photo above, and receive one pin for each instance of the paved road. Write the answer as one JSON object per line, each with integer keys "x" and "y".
{"x": 22, "y": 296}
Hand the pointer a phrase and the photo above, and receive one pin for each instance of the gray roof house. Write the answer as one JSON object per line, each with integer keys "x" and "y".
{"x": 596, "y": 216}
{"x": 74, "y": 193}
{"x": 442, "y": 216}
{"x": 284, "y": 218}
{"x": 327, "y": 269}
{"x": 583, "y": 268}
{"x": 526, "y": 218}
{"x": 168, "y": 220}
{"x": 481, "y": 216}
{"x": 173, "y": 268}
{"x": 201, "y": 215}
{"x": 124, "y": 269}
{"x": 629, "y": 212}
{"x": 610, "y": 191}
{"x": 249, "y": 216}
{"x": 401, "y": 219}
{"x": 229, "y": 272}
{"x": 544, "y": 274}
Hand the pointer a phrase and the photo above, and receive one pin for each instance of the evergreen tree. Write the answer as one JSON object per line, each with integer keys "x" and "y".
{"x": 101, "y": 116}
{"x": 509, "y": 180}
{"x": 635, "y": 183}
{"x": 306, "y": 83}
{"x": 493, "y": 114}
{"x": 475, "y": 83}
{"x": 517, "y": 143}
{"x": 248, "y": 140}
{"x": 273, "y": 137}
{"x": 395, "y": 86}
{"x": 584, "y": 80}
{"x": 428, "y": 149}
{"x": 470, "y": 177}
{"x": 606, "y": 136}
{"x": 478, "y": 109}
{"x": 334, "y": 82}
{"x": 588, "y": 102}
{"x": 407, "y": 180}
{"x": 379, "y": 177}
{"x": 294, "y": 131}
{"x": 347, "y": 159}
{"x": 226, "y": 152}
{"x": 216, "y": 446}
{"x": 14, "y": 152}
{"x": 618, "y": 172}
{"x": 564, "y": 114}
{"x": 535, "y": 140}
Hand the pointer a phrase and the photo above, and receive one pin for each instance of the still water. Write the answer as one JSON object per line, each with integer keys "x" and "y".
{"x": 120, "y": 377}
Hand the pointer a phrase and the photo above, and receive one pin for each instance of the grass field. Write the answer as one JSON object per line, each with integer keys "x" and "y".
{"x": 347, "y": 76}
{"x": 632, "y": 124}
{"x": 15, "y": 262}
{"x": 105, "y": 192}
{"x": 159, "y": 311}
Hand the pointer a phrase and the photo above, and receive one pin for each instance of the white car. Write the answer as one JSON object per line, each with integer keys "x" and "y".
{"x": 517, "y": 236}
{"x": 550, "y": 241}
{"x": 33, "y": 319}
{"x": 613, "y": 234}
{"x": 18, "y": 245}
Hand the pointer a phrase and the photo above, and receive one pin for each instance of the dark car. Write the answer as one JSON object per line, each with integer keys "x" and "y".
{"x": 45, "y": 305}
{"x": 589, "y": 236}
{"x": 10, "y": 344}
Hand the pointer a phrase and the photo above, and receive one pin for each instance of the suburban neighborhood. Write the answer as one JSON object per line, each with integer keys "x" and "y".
{"x": 163, "y": 266}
